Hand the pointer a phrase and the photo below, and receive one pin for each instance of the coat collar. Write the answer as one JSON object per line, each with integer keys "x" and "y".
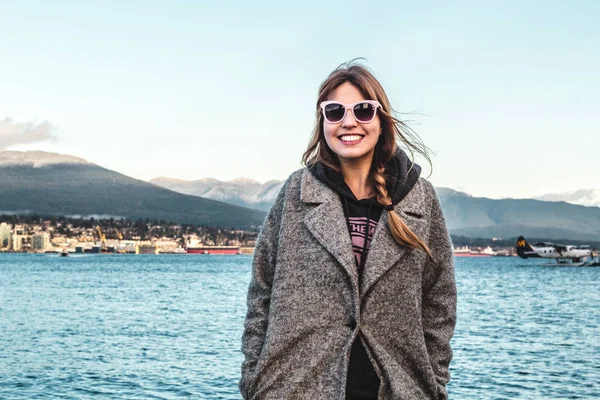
{"x": 327, "y": 223}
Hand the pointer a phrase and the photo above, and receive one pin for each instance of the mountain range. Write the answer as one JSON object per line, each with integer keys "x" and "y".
{"x": 482, "y": 217}
{"x": 466, "y": 215}
{"x": 48, "y": 183}
{"x": 250, "y": 193}
{"x": 54, "y": 184}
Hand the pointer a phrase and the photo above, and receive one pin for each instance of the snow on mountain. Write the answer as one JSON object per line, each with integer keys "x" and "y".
{"x": 241, "y": 191}
{"x": 583, "y": 197}
{"x": 244, "y": 181}
{"x": 37, "y": 159}
{"x": 270, "y": 191}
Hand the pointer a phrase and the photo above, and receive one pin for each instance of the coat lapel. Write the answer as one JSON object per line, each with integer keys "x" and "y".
{"x": 384, "y": 252}
{"x": 327, "y": 223}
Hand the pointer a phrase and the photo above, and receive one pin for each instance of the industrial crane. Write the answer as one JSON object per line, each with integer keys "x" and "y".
{"x": 102, "y": 237}
{"x": 119, "y": 237}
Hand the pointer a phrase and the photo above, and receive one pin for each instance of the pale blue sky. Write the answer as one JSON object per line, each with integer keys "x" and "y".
{"x": 506, "y": 93}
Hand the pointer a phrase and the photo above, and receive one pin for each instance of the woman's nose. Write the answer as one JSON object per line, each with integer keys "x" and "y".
{"x": 349, "y": 121}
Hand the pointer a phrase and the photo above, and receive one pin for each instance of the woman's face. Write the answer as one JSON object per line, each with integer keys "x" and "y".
{"x": 351, "y": 140}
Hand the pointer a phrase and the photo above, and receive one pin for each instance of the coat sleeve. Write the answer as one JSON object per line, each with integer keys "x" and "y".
{"x": 259, "y": 292}
{"x": 439, "y": 297}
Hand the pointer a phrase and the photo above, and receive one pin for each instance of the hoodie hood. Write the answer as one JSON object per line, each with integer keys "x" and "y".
{"x": 400, "y": 178}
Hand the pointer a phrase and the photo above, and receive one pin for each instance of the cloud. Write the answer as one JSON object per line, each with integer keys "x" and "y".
{"x": 13, "y": 133}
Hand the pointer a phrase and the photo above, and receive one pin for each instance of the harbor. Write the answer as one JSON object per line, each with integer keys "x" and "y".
{"x": 72, "y": 237}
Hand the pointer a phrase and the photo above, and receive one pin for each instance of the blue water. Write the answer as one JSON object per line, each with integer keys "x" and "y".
{"x": 169, "y": 327}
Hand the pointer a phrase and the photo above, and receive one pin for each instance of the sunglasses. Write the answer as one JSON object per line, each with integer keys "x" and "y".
{"x": 364, "y": 111}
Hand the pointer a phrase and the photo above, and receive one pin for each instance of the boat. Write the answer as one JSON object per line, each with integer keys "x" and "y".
{"x": 64, "y": 253}
{"x": 467, "y": 252}
{"x": 196, "y": 249}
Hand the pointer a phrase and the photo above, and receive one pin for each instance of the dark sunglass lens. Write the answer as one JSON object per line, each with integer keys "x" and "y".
{"x": 334, "y": 112}
{"x": 364, "y": 112}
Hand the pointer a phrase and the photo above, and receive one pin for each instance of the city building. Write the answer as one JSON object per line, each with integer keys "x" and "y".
{"x": 40, "y": 242}
{"x": 146, "y": 249}
{"x": 5, "y": 234}
{"x": 17, "y": 242}
{"x": 20, "y": 229}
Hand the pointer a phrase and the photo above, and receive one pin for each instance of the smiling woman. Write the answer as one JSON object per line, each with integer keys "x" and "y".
{"x": 352, "y": 293}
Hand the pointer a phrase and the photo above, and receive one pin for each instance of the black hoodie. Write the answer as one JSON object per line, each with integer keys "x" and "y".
{"x": 362, "y": 217}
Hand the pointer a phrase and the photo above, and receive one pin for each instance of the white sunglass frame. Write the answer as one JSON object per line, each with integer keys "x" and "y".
{"x": 350, "y": 106}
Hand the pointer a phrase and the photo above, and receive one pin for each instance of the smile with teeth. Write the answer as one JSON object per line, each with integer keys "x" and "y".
{"x": 350, "y": 138}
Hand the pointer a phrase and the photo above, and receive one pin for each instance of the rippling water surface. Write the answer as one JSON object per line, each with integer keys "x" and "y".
{"x": 169, "y": 327}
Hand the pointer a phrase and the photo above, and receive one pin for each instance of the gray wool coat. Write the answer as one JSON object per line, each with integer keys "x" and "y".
{"x": 306, "y": 305}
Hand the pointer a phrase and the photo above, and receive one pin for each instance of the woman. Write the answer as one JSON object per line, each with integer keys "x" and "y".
{"x": 352, "y": 293}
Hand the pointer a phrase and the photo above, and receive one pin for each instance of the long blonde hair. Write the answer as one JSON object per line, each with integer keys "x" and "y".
{"x": 392, "y": 128}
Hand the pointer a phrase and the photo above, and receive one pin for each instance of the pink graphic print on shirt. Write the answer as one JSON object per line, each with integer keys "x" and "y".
{"x": 359, "y": 233}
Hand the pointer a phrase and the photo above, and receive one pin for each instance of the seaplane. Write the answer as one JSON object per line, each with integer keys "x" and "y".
{"x": 562, "y": 253}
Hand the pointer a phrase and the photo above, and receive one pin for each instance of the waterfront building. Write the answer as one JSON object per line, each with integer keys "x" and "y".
{"x": 166, "y": 245}
{"x": 40, "y": 241}
{"x": 20, "y": 230}
{"x": 17, "y": 242}
{"x": 146, "y": 249}
{"x": 5, "y": 234}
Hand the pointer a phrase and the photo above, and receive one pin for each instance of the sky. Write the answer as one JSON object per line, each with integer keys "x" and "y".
{"x": 506, "y": 94}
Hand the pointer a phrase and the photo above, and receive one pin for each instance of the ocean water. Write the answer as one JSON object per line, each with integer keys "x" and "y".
{"x": 169, "y": 327}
